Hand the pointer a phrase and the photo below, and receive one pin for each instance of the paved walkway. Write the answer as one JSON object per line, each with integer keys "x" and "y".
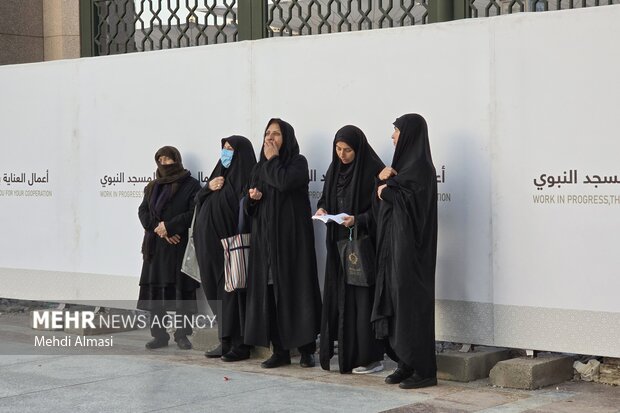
{"x": 169, "y": 379}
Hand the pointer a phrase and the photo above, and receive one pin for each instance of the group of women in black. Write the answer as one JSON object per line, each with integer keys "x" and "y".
{"x": 394, "y": 206}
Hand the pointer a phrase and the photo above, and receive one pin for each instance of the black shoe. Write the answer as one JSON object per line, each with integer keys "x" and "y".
{"x": 215, "y": 353}
{"x": 183, "y": 343}
{"x": 398, "y": 376}
{"x": 236, "y": 355}
{"x": 417, "y": 382}
{"x": 276, "y": 360}
{"x": 156, "y": 343}
{"x": 307, "y": 360}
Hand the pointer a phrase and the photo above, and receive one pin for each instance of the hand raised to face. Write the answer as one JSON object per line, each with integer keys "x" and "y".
{"x": 270, "y": 150}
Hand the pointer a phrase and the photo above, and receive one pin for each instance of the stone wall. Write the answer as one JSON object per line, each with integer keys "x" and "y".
{"x": 38, "y": 30}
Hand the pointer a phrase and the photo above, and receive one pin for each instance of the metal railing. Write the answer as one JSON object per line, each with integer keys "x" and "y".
{"x": 488, "y": 8}
{"x": 125, "y": 26}
{"x": 301, "y": 17}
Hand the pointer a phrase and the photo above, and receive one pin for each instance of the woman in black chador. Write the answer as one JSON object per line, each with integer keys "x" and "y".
{"x": 166, "y": 215}
{"x": 283, "y": 296}
{"x": 217, "y": 218}
{"x": 406, "y": 219}
{"x": 349, "y": 188}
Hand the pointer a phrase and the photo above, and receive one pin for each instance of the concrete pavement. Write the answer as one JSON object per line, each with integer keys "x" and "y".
{"x": 170, "y": 379}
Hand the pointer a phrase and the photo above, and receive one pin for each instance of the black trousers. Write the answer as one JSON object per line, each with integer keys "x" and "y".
{"x": 358, "y": 345}
{"x": 221, "y": 308}
{"x": 426, "y": 370}
{"x": 274, "y": 333}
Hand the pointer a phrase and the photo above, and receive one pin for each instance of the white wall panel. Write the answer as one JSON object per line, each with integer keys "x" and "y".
{"x": 509, "y": 101}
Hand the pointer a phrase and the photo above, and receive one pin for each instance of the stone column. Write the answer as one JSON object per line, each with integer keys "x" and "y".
{"x": 61, "y": 29}
{"x": 21, "y": 31}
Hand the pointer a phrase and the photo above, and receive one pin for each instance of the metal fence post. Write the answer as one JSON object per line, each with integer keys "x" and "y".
{"x": 87, "y": 24}
{"x": 259, "y": 19}
{"x": 439, "y": 11}
{"x": 461, "y": 9}
{"x": 252, "y": 19}
{"x": 446, "y": 10}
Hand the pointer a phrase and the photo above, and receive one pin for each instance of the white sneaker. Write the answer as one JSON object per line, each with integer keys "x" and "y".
{"x": 371, "y": 368}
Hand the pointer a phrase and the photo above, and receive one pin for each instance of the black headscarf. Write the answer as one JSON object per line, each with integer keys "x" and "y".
{"x": 287, "y": 152}
{"x": 290, "y": 147}
{"x": 159, "y": 191}
{"x": 407, "y": 250}
{"x": 238, "y": 173}
{"x": 167, "y": 174}
{"x": 412, "y": 156}
{"x": 358, "y": 176}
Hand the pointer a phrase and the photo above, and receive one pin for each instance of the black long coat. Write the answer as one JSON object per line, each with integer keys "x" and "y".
{"x": 161, "y": 282}
{"x": 352, "y": 195}
{"x": 283, "y": 241}
{"x": 217, "y": 218}
{"x": 404, "y": 307}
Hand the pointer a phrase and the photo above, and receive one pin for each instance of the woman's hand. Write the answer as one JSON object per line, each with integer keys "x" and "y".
{"x": 161, "y": 230}
{"x": 387, "y": 173}
{"x": 173, "y": 240}
{"x": 270, "y": 150}
{"x": 255, "y": 194}
{"x": 380, "y": 190}
{"x": 348, "y": 221}
{"x": 320, "y": 212}
{"x": 216, "y": 184}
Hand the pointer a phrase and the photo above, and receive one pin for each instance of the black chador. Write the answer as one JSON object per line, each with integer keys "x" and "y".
{"x": 163, "y": 287}
{"x": 217, "y": 218}
{"x": 406, "y": 219}
{"x": 283, "y": 296}
{"x": 348, "y": 188}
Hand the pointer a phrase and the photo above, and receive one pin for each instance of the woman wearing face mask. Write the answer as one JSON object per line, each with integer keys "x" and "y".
{"x": 349, "y": 188}
{"x": 166, "y": 215}
{"x": 217, "y": 218}
{"x": 283, "y": 297}
{"x": 406, "y": 219}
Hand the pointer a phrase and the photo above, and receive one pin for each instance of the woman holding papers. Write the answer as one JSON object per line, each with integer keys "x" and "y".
{"x": 166, "y": 215}
{"x": 217, "y": 218}
{"x": 406, "y": 219}
{"x": 349, "y": 189}
{"x": 283, "y": 296}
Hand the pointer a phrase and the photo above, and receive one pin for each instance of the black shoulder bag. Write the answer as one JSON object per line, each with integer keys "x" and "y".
{"x": 357, "y": 255}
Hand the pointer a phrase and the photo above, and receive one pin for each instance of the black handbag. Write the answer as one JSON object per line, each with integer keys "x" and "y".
{"x": 357, "y": 255}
